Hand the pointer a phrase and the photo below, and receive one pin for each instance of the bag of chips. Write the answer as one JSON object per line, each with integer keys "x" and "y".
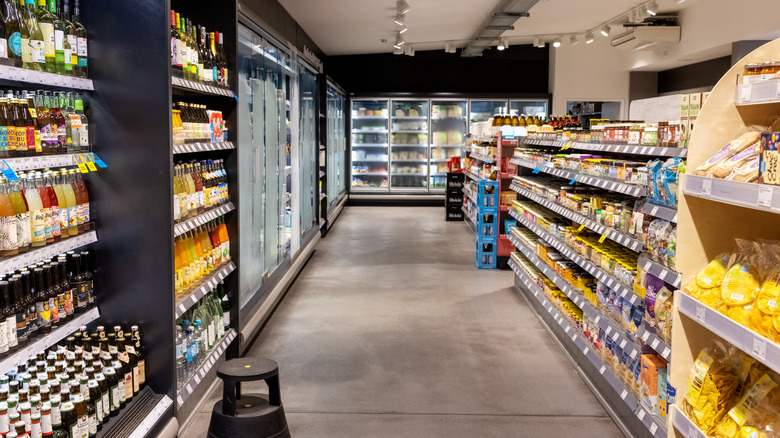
{"x": 756, "y": 414}
{"x": 743, "y": 281}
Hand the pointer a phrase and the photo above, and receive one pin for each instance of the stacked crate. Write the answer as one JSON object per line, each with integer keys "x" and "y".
{"x": 453, "y": 202}
{"x": 487, "y": 225}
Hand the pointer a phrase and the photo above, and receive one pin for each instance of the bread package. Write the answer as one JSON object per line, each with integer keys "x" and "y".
{"x": 724, "y": 169}
{"x": 732, "y": 148}
{"x": 747, "y": 172}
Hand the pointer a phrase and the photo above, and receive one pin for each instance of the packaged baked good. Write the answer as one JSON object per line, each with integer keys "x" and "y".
{"x": 725, "y": 168}
{"x": 729, "y": 150}
{"x": 748, "y": 172}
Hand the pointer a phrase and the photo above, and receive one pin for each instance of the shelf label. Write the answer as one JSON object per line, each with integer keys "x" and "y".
{"x": 759, "y": 347}
{"x": 80, "y": 162}
{"x": 765, "y": 196}
{"x": 653, "y": 427}
{"x": 586, "y": 350}
{"x": 641, "y": 414}
{"x": 603, "y": 368}
{"x": 746, "y": 93}
{"x": 693, "y": 431}
{"x": 666, "y": 352}
{"x": 602, "y": 238}
{"x": 701, "y": 312}
{"x": 97, "y": 160}
{"x": 9, "y": 174}
{"x": 624, "y": 394}
{"x": 88, "y": 161}
{"x": 706, "y": 186}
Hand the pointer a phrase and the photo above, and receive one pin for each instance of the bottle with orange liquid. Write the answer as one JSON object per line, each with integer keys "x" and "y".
{"x": 9, "y": 244}
{"x": 22, "y": 216}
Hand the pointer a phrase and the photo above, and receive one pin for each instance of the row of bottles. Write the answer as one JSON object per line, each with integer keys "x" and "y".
{"x": 567, "y": 122}
{"x": 197, "y": 187}
{"x": 199, "y": 252}
{"x": 39, "y": 298}
{"x": 72, "y": 389}
{"x": 42, "y": 208}
{"x": 198, "y": 55}
{"x": 199, "y": 330}
{"x": 42, "y": 123}
{"x": 44, "y": 35}
{"x": 192, "y": 123}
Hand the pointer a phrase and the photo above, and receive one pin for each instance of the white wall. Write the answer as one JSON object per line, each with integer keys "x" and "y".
{"x": 587, "y": 72}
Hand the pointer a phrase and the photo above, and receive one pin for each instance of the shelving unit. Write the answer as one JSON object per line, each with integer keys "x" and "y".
{"x": 663, "y": 272}
{"x": 204, "y": 368}
{"x": 653, "y": 151}
{"x": 185, "y": 85}
{"x": 47, "y": 252}
{"x": 604, "y": 183}
{"x": 581, "y": 351}
{"x": 192, "y": 296}
{"x": 713, "y": 213}
{"x": 189, "y": 148}
{"x": 202, "y": 218}
{"x": 24, "y": 76}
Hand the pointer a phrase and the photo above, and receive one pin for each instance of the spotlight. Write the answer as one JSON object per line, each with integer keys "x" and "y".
{"x": 605, "y": 30}
{"x": 652, "y": 8}
{"x": 538, "y": 43}
{"x": 403, "y": 6}
{"x": 589, "y": 38}
{"x": 557, "y": 42}
{"x": 403, "y": 29}
{"x": 400, "y": 20}
{"x": 399, "y": 41}
{"x": 502, "y": 44}
{"x": 449, "y": 48}
{"x": 398, "y": 50}
{"x": 574, "y": 40}
{"x": 409, "y": 50}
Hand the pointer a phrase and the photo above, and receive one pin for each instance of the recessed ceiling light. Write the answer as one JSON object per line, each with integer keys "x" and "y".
{"x": 557, "y": 42}
{"x": 652, "y": 8}
{"x": 403, "y": 6}
{"x": 589, "y": 38}
{"x": 574, "y": 40}
{"x": 605, "y": 30}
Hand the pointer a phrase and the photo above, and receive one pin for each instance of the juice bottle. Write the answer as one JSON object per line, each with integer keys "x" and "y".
{"x": 44, "y": 196}
{"x": 199, "y": 254}
{"x": 192, "y": 193}
{"x": 29, "y": 123}
{"x": 206, "y": 182}
{"x": 192, "y": 258}
{"x": 22, "y": 216}
{"x": 225, "y": 239}
{"x": 37, "y": 213}
{"x": 82, "y": 199}
{"x": 184, "y": 197}
{"x": 56, "y": 115}
{"x": 176, "y": 191}
{"x": 56, "y": 231}
{"x": 195, "y": 168}
{"x": 215, "y": 243}
{"x": 62, "y": 202}
{"x": 47, "y": 134}
{"x": 20, "y": 129}
{"x": 70, "y": 202}
{"x": 9, "y": 245}
{"x": 205, "y": 245}
{"x": 178, "y": 261}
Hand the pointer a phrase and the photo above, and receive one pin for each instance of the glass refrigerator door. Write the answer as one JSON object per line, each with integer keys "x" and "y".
{"x": 335, "y": 146}
{"x": 483, "y": 110}
{"x": 370, "y": 145}
{"x": 308, "y": 148}
{"x": 409, "y": 145}
{"x": 533, "y": 108}
{"x": 448, "y": 137}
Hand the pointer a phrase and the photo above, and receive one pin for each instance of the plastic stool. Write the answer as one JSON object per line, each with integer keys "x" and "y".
{"x": 237, "y": 416}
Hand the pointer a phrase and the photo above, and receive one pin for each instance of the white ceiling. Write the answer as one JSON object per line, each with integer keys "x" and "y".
{"x": 350, "y": 27}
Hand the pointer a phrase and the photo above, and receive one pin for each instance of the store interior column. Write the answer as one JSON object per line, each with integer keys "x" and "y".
{"x": 390, "y": 330}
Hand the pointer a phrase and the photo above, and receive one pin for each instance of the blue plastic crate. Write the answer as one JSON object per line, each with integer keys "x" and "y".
{"x": 485, "y": 199}
{"x": 487, "y": 216}
{"x": 487, "y": 253}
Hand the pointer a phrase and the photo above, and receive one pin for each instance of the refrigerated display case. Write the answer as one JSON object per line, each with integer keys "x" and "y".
{"x": 483, "y": 110}
{"x": 370, "y": 145}
{"x": 448, "y": 138}
{"x": 307, "y": 141}
{"x": 409, "y": 145}
{"x": 336, "y": 146}
{"x": 528, "y": 108}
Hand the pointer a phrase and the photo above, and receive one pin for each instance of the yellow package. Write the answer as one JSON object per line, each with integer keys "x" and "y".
{"x": 712, "y": 275}
{"x": 760, "y": 318}
{"x": 755, "y": 413}
{"x": 740, "y": 285}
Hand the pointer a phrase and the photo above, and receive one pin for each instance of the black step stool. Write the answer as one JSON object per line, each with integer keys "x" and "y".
{"x": 248, "y": 416}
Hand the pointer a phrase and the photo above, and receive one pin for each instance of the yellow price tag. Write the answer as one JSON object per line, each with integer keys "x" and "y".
{"x": 565, "y": 147}
{"x": 582, "y": 227}
{"x": 88, "y": 161}
{"x": 80, "y": 162}
{"x": 602, "y": 238}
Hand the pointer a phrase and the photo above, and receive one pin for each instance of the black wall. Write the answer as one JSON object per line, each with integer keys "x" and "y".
{"x": 701, "y": 74}
{"x": 517, "y": 70}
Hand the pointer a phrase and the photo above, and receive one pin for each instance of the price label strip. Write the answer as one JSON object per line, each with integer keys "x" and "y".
{"x": 97, "y": 160}
{"x": 9, "y": 174}
{"x": 88, "y": 161}
{"x": 80, "y": 162}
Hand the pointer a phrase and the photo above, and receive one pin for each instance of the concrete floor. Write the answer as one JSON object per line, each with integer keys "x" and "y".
{"x": 390, "y": 330}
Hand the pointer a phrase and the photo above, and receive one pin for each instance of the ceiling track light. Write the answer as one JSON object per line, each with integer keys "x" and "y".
{"x": 409, "y": 50}
{"x": 574, "y": 40}
{"x": 502, "y": 44}
{"x": 403, "y": 29}
{"x": 400, "y": 19}
{"x": 449, "y": 48}
{"x": 399, "y": 41}
{"x": 403, "y": 6}
{"x": 557, "y": 43}
{"x": 605, "y": 29}
{"x": 538, "y": 43}
{"x": 588, "y": 37}
{"x": 652, "y": 8}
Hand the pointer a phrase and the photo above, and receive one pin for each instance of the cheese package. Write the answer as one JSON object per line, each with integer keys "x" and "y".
{"x": 732, "y": 148}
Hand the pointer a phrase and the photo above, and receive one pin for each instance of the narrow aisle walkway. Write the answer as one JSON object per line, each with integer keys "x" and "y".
{"x": 391, "y": 331}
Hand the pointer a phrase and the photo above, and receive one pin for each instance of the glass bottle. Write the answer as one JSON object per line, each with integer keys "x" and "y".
{"x": 23, "y": 232}
{"x": 4, "y": 129}
{"x": 51, "y": 294}
{"x": 194, "y": 52}
{"x": 9, "y": 323}
{"x": 42, "y": 303}
{"x": 37, "y": 51}
{"x": 59, "y": 36}
{"x": 86, "y": 272}
{"x": 81, "y": 37}
{"x": 9, "y": 243}
{"x": 175, "y": 42}
{"x": 12, "y": 31}
{"x": 71, "y": 40}
{"x": 20, "y": 312}
{"x": 79, "y": 283}
{"x": 140, "y": 376}
{"x": 66, "y": 287}
{"x": 46, "y": 22}
{"x": 223, "y": 66}
{"x": 83, "y": 125}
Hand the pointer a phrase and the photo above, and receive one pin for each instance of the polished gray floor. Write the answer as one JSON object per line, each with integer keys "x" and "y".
{"x": 391, "y": 331}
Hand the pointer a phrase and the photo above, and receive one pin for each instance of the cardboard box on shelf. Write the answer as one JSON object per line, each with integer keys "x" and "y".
{"x": 694, "y": 106}
{"x": 684, "y": 122}
{"x": 769, "y": 165}
{"x": 651, "y": 364}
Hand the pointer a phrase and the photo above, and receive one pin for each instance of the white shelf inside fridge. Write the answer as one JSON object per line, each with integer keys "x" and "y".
{"x": 623, "y": 239}
{"x": 369, "y": 131}
{"x": 604, "y": 183}
{"x": 202, "y": 218}
{"x": 749, "y": 195}
{"x": 197, "y": 292}
{"x": 201, "y": 88}
{"x": 752, "y": 343}
{"x": 369, "y": 145}
{"x": 205, "y": 367}
{"x": 47, "y": 252}
{"x": 43, "y": 342}
{"x": 188, "y": 148}
{"x": 38, "y": 77}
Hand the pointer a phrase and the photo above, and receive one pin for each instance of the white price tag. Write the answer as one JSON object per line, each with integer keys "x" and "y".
{"x": 197, "y": 379}
{"x": 609, "y": 330}
{"x": 701, "y": 313}
{"x": 765, "y": 196}
{"x": 623, "y": 343}
{"x": 655, "y": 343}
{"x": 663, "y": 275}
{"x": 759, "y": 347}
{"x": 633, "y": 354}
{"x": 653, "y": 427}
{"x": 652, "y": 213}
{"x": 645, "y": 335}
{"x": 693, "y": 431}
{"x": 189, "y": 389}
{"x": 596, "y": 321}
{"x": 746, "y": 92}
{"x": 567, "y": 329}
{"x": 585, "y": 351}
{"x": 603, "y": 368}
{"x": 706, "y": 186}
{"x": 624, "y": 394}
{"x": 641, "y": 414}
{"x": 666, "y": 352}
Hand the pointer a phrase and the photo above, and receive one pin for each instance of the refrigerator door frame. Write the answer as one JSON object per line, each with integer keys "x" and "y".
{"x": 466, "y": 116}
{"x": 427, "y": 117}
{"x": 371, "y": 190}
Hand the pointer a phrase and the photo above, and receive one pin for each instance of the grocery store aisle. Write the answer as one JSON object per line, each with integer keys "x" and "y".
{"x": 392, "y": 331}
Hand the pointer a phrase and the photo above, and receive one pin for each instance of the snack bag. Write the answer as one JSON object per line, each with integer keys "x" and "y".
{"x": 750, "y": 137}
{"x": 664, "y": 302}
{"x": 742, "y": 282}
{"x": 713, "y": 386}
{"x": 761, "y": 318}
{"x": 756, "y": 414}
{"x": 712, "y": 275}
